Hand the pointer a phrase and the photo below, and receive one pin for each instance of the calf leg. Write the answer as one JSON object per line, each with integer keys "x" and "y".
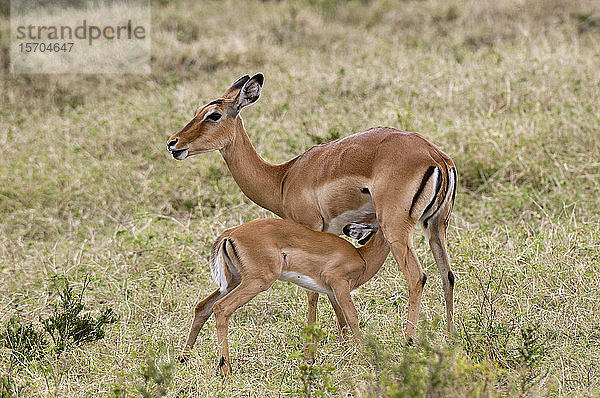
{"x": 224, "y": 308}
{"x": 341, "y": 318}
{"x": 341, "y": 291}
{"x": 313, "y": 302}
{"x": 204, "y": 310}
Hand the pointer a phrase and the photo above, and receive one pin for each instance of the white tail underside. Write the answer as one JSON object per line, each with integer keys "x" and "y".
{"x": 217, "y": 270}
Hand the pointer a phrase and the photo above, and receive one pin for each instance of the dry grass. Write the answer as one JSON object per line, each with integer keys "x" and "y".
{"x": 509, "y": 89}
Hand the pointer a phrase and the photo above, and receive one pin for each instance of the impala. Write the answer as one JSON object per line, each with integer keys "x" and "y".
{"x": 381, "y": 178}
{"x": 248, "y": 259}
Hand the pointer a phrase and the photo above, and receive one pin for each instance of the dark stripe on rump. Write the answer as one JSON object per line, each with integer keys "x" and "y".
{"x": 233, "y": 270}
{"x": 426, "y": 221}
{"x": 233, "y": 249}
{"x": 438, "y": 186}
{"x": 455, "y": 183}
{"x": 426, "y": 178}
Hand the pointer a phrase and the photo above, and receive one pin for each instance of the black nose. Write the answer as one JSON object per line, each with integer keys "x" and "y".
{"x": 171, "y": 144}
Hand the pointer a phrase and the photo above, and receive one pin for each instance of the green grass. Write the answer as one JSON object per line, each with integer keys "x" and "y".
{"x": 510, "y": 90}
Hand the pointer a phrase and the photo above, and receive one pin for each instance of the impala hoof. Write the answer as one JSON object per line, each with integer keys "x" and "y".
{"x": 224, "y": 367}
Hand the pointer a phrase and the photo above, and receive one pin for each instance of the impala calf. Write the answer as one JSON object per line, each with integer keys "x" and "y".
{"x": 248, "y": 259}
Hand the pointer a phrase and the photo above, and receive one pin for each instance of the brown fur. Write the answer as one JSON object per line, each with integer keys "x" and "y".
{"x": 266, "y": 248}
{"x": 327, "y": 181}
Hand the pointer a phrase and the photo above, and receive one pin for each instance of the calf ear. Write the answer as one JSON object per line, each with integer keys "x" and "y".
{"x": 249, "y": 93}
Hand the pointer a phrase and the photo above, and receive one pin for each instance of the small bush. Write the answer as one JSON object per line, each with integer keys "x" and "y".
{"x": 315, "y": 378}
{"x": 23, "y": 340}
{"x": 530, "y": 352}
{"x": 67, "y": 326}
{"x": 486, "y": 338}
{"x": 156, "y": 377}
{"x": 422, "y": 369}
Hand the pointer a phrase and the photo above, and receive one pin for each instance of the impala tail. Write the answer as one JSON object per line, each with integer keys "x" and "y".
{"x": 441, "y": 182}
{"x": 224, "y": 272}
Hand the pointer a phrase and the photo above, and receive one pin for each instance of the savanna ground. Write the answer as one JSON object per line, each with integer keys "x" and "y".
{"x": 89, "y": 195}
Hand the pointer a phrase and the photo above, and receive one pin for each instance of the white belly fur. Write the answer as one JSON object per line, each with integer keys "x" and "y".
{"x": 304, "y": 281}
{"x": 351, "y": 216}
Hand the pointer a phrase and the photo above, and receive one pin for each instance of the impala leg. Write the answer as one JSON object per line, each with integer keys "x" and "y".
{"x": 439, "y": 244}
{"x": 313, "y": 302}
{"x": 203, "y": 311}
{"x": 397, "y": 225}
{"x": 415, "y": 278}
{"x": 342, "y": 296}
{"x": 341, "y": 318}
{"x": 223, "y": 310}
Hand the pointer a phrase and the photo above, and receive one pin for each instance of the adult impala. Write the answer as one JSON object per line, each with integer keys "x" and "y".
{"x": 380, "y": 178}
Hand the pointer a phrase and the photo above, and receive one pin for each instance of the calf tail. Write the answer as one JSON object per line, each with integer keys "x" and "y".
{"x": 224, "y": 272}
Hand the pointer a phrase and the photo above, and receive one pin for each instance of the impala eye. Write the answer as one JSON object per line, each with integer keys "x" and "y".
{"x": 213, "y": 116}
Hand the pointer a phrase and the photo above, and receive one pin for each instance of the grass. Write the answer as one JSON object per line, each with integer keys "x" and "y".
{"x": 509, "y": 89}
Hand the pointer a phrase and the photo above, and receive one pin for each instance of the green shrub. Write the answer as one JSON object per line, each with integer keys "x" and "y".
{"x": 156, "y": 377}
{"x": 67, "y": 325}
{"x": 23, "y": 340}
{"x": 486, "y": 338}
{"x": 421, "y": 369}
{"x": 314, "y": 376}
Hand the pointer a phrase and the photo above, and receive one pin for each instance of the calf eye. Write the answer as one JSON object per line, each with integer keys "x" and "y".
{"x": 213, "y": 116}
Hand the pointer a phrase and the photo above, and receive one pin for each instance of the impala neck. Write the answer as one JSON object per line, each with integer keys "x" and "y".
{"x": 260, "y": 181}
{"x": 374, "y": 252}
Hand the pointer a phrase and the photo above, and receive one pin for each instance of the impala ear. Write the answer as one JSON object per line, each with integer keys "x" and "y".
{"x": 233, "y": 91}
{"x": 249, "y": 93}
